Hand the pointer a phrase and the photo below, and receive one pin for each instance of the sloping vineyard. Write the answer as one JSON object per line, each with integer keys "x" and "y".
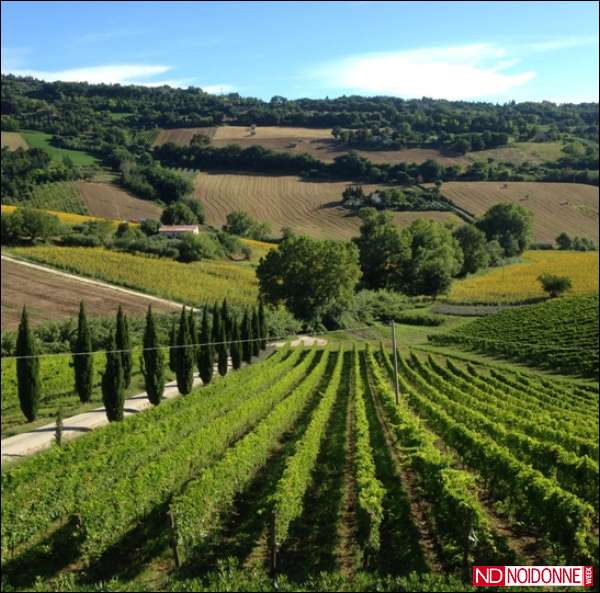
{"x": 560, "y": 334}
{"x": 306, "y": 462}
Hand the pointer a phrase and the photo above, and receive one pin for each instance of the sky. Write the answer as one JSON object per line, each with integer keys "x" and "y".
{"x": 490, "y": 51}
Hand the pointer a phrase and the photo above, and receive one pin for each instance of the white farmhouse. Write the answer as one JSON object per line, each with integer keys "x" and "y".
{"x": 176, "y": 230}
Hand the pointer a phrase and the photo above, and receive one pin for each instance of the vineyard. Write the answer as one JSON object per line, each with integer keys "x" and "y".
{"x": 560, "y": 334}
{"x": 57, "y": 388}
{"x": 304, "y": 463}
{"x": 192, "y": 283}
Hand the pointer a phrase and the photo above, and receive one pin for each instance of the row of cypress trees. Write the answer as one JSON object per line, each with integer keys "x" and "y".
{"x": 221, "y": 335}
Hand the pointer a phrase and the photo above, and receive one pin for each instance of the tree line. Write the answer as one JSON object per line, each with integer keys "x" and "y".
{"x": 220, "y": 338}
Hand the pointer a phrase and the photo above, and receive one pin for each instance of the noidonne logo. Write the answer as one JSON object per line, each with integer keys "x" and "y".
{"x": 533, "y": 576}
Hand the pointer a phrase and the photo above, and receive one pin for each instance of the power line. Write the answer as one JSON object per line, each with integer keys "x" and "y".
{"x": 168, "y": 347}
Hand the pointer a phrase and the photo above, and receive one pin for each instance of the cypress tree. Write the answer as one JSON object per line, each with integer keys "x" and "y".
{"x": 185, "y": 356}
{"x": 28, "y": 370}
{"x": 222, "y": 352}
{"x": 205, "y": 352}
{"x": 153, "y": 361}
{"x": 83, "y": 362}
{"x": 172, "y": 349}
{"x": 246, "y": 337}
{"x": 215, "y": 337}
{"x": 123, "y": 343}
{"x": 234, "y": 347}
{"x": 113, "y": 384}
{"x": 227, "y": 318}
{"x": 255, "y": 333}
{"x": 262, "y": 322}
{"x": 193, "y": 332}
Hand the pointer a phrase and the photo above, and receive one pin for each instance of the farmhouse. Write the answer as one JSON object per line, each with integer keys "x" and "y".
{"x": 178, "y": 230}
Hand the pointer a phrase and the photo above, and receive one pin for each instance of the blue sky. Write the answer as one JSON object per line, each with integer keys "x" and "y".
{"x": 494, "y": 51}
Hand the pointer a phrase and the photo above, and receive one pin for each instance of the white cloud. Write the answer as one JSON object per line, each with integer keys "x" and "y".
{"x": 122, "y": 74}
{"x": 459, "y": 72}
{"x": 109, "y": 74}
{"x": 557, "y": 44}
{"x": 218, "y": 89}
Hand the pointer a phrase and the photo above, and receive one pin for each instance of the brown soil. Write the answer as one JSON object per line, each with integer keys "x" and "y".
{"x": 49, "y": 296}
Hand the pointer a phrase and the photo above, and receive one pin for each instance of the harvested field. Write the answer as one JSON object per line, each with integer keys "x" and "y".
{"x": 49, "y": 296}
{"x": 556, "y": 207}
{"x": 307, "y": 207}
{"x": 181, "y": 136}
{"x": 321, "y": 145}
{"x": 13, "y": 140}
{"x": 110, "y": 201}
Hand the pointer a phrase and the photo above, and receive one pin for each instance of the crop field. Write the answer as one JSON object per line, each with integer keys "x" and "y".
{"x": 37, "y": 139}
{"x": 306, "y": 459}
{"x": 13, "y": 140}
{"x": 561, "y": 335}
{"x": 518, "y": 282}
{"x": 193, "y": 283}
{"x": 181, "y": 136}
{"x": 50, "y": 296}
{"x": 557, "y": 207}
{"x": 110, "y": 201}
{"x": 312, "y": 208}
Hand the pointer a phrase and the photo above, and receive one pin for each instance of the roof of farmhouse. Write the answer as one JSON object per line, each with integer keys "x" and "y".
{"x": 182, "y": 228}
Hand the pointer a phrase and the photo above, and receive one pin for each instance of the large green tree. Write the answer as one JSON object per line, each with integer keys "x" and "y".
{"x": 113, "y": 384}
{"x": 473, "y": 243}
{"x": 314, "y": 279}
{"x": 384, "y": 251}
{"x": 436, "y": 257}
{"x": 172, "y": 347}
{"x": 153, "y": 361}
{"x": 83, "y": 360}
{"x": 509, "y": 224}
{"x": 221, "y": 347}
{"x": 28, "y": 369}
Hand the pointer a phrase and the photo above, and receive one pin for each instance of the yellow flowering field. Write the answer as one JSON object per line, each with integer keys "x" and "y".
{"x": 518, "y": 281}
{"x": 66, "y": 217}
{"x": 191, "y": 283}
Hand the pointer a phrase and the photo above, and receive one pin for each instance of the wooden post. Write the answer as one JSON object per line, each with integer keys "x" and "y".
{"x": 395, "y": 347}
{"x": 272, "y": 545}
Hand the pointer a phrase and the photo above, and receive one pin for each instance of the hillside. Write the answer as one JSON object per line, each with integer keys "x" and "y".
{"x": 107, "y": 200}
{"x": 556, "y": 207}
{"x": 286, "y": 201}
{"x": 561, "y": 334}
{"x": 320, "y": 144}
{"x": 49, "y": 296}
{"x": 518, "y": 282}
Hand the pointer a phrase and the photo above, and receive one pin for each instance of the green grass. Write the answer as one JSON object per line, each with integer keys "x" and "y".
{"x": 37, "y": 139}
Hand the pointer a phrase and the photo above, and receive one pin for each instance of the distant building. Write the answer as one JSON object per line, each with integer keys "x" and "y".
{"x": 177, "y": 230}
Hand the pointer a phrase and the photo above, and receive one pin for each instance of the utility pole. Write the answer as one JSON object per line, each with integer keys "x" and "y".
{"x": 395, "y": 362}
